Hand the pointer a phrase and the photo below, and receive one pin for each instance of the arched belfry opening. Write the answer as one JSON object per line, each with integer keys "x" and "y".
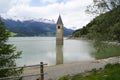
{"x": 59, "y": 31}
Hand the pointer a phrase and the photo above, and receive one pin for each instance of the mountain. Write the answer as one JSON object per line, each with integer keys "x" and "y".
{"x": 33, "y": 27}
{"x": 105, "y": 27}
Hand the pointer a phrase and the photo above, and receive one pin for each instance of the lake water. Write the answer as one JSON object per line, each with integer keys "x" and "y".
{"x": 37, "y": 49}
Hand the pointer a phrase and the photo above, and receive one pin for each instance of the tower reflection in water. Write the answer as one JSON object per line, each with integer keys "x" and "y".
{"x": 59, "y": 54}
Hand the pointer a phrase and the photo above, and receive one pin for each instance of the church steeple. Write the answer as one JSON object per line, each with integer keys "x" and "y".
{"x": 59, "y": 31}
{"x": 59, "y": 21}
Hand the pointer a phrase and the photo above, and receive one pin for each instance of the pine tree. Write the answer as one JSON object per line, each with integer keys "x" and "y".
{"x": 8, "y": 55}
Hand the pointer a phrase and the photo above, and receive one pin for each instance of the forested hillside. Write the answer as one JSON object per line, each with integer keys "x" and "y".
{"x": 105, "y": 27}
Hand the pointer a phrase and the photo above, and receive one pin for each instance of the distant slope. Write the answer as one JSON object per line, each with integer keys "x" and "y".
{"x": 106, "y": 27}
{"x": 33, "y": 28}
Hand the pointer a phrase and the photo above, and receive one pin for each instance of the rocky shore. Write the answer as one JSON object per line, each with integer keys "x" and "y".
{"x": 54, "y": 72}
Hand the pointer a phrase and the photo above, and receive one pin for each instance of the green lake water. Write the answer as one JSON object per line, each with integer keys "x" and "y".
{"x": 37, "y": 49}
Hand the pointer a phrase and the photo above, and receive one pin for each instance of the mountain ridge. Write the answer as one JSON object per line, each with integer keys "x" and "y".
{"x": 29, "y": 18}
{"x": 32, "y": 27}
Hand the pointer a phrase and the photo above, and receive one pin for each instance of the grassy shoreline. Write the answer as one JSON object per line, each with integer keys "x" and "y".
{"x": 109, "y": 50}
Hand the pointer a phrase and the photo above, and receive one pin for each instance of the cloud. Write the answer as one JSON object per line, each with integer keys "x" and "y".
{"x": 72, "y": 11}
{"x": 5, "y": 5}
{"x": 48, "y": 1}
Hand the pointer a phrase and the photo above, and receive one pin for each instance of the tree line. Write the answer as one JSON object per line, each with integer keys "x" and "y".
{"x": 105, "y": 27}
{"x": 8, "y": 55}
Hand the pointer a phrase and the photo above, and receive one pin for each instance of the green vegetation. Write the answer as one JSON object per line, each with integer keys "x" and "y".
{"x": 110, "y": 72}
{"x": 12, "y": 34}
{"x": 105, "y": 27}
{"x": 107, "y": 51}
{"x": 64, "y": 78}
{"x": 8, "y": 55}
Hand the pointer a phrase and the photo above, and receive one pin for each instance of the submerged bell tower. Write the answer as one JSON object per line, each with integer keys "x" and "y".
{"x": 59, "y": 31}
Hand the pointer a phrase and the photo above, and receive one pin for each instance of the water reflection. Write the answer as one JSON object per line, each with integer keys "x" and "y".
{"x": 59, "y": 54}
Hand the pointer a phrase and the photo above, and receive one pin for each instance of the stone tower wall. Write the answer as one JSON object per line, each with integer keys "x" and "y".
{"x": 59, "y": 34}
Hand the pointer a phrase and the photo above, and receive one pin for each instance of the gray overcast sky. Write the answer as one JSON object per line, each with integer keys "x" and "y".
{"x": 72, "y": 11}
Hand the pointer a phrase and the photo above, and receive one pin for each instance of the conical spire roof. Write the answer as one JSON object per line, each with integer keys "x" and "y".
{"x": 59, "y": 21}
